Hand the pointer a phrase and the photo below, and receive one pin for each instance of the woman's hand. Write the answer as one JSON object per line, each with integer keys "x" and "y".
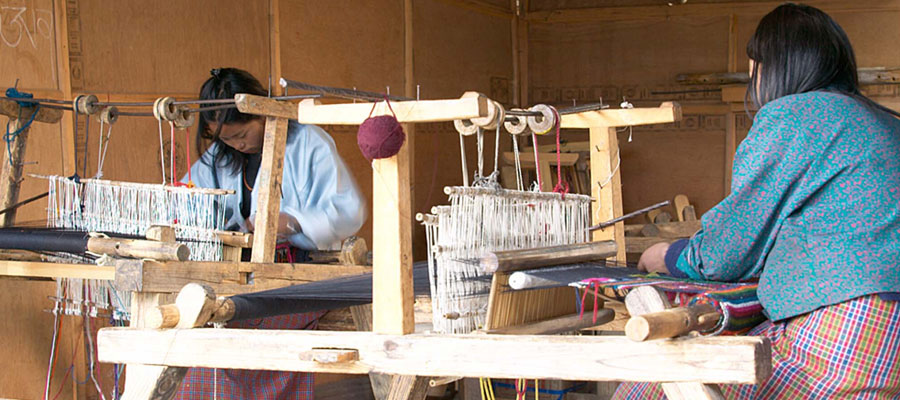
{"x": 287, "y": 225}
{"x": 654, "y": 259}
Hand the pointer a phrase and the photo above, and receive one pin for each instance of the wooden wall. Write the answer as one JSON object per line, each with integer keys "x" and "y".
{"x": 632, "y": 52}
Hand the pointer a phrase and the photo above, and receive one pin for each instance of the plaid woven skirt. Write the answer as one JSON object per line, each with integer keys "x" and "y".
{"x": 850, "y": 350}
{"x": 235, "y": 384}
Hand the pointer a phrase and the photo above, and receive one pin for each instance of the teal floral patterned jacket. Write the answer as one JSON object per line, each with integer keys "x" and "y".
{"x": 814, "y": 209}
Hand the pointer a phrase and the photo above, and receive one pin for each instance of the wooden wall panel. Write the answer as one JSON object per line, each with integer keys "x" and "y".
{"x": 585, "y": 62}
{"x": 634, "y": 58}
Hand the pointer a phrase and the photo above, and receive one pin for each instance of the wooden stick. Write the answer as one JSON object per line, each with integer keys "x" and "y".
{"x": 163, "y": 251}
{"x": 517, "y": 260}
{"x": 568, "y": 323}
{"x": 440, "y": 381}
{"x": 665, "y": 113}
{"x": 672, "y": 322}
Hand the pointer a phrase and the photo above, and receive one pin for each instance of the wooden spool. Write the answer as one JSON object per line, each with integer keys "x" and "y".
{"x": 545, "y": 123}
{"x": 86, "y": 104}
{"x": 183, "y": 119}
{"x": 109, "y": 115}
{"x": 164, "y": 109}
{"x": 495, "y": 117}
{"x": 464, "y": 127}
{"x": 517, "y": 127}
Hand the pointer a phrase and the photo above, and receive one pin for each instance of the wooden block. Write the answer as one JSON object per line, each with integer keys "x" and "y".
{"x": 681, "y": 201}
{"x": 606, "y": 187}
{"x": 264, "y": 106}
{"x": 160, "y": 233}
{"x": 56, "y": 270}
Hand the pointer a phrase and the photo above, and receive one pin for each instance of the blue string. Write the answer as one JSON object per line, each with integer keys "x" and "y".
{"x": 11, "y": 136}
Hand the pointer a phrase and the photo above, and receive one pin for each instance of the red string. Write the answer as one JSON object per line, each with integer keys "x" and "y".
{"x": 562, "y": 186}
{"x": 537, "y": 162}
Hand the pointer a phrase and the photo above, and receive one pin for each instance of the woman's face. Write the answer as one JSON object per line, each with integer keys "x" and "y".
{"x": 245, "y": 137}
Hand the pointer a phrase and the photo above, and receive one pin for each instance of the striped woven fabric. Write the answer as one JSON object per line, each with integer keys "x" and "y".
{"x": 737, "y": 302}
{"x": 850, "y": 350}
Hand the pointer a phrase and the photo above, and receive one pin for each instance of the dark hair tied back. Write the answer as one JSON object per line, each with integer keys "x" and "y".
{"x": 224, "y": 84}
{"x": 800, "y": 49}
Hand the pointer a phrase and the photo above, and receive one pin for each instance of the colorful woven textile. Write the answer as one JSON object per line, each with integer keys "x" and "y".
{"x": 850, "y": 350}
{"x": 737, "y": 302}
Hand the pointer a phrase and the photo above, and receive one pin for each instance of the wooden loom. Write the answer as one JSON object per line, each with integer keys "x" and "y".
{"x": 393, "y": 348}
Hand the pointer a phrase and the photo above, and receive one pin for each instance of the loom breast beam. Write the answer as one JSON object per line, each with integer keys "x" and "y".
{"x": 647, "y": 300}
{"x": 517, "y": 260}
{"x": 11, "y": 170}
{"x": 606, "y": 182}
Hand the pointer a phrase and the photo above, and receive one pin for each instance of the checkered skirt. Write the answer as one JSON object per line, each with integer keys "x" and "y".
{"x": 850, "y": 350}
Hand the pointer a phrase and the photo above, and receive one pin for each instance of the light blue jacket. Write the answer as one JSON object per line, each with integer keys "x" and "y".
{"x": 317, "y": 189}
{"x": 814, "y": 209}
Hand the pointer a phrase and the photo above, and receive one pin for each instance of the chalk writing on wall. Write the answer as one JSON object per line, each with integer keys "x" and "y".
{"x": 23, "y": 26}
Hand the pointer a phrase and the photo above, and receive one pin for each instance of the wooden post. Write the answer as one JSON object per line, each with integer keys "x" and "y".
{"x": 11, "y": 171}
{"x": 606, "y": 185}
{"x": 269, "y": 196}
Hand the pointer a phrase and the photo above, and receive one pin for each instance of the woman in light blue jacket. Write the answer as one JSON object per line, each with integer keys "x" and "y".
{"x": 320, "y": 206}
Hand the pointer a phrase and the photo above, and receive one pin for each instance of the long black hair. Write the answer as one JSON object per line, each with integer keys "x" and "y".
{"x": 799, "y": 49}
{"x": 224, "y": 84}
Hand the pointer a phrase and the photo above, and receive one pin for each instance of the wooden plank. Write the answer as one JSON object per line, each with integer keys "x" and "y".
{"x": 274, "y": 48}
{"x": 713, "y": 360}
{"x": 225, "y": 278}
{"x": 527, "y": 158}
{"x": 268, "y": 204}
{"x": 392, "y": 292}
{"x": 665, "y": 113}
{"x": 661, "y": 12}
{"x": 308, "y": 112}
{"x": 65, "y": 84}
{"x": 564, "y": 324}
{"x": 481, "y": 7}
{"x": 149, "y": 381}
{"x": 56, "y": 270}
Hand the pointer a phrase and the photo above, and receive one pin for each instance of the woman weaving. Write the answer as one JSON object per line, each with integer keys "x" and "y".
{"x": 320, "y": 206}
{"x": 814, "y": 213}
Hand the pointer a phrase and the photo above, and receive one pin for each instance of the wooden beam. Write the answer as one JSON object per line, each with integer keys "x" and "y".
{"x": 867, "y": 76}
{"x": 665, "y": 113}
{"x": 56, "y": 270}
{"x": 519, "y": 260}
{"x": 526, "y": 158}
{"x": 733, "y": 360}
{"x": 274, "y": 48}
{"x": 226, "y": 278}
{"x": 268, "y": 204}
{"x": 662, "y": 11}
{"x": 64, "y": 83}
{"x": 308, "y": 112}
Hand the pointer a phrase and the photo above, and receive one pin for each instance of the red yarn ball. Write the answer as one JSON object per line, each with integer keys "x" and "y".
{"x": 380, "y": 137}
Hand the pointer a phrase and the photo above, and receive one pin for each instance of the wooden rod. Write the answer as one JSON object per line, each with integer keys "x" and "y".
{"x": 11, "y": 109}
{"x": 568, "y": 323}
{"x": 672, "y": 322}
{"x": 517, "y": 260}
{"x": 131, "y": 248}
{"x": 440, "y": 381}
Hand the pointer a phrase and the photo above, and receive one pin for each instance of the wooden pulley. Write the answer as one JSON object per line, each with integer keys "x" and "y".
{"x": 465, "y": 127}
{"x": 85, "y": 104}
{"x": 495, "y": 117}
{"x": 109, "y": 115}
{"x": 164, "y": 109}
{"x": 184, "y": 119}
{"x": 544, "y": 123}
{"x": 517, "y": 127}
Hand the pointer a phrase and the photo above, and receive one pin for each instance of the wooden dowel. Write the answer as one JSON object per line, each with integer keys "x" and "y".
{"x": 672, "y": 322}
{"x": 440, "y": 381}
{"x": 516, "y": 260}
{"x": 130, "y": 248}
{"x": 236, "y": 239}
{"x": 568, "y": 323}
